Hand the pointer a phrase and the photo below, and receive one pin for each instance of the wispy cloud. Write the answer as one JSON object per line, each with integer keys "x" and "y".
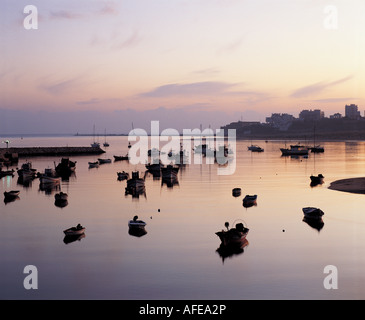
{"x": 63, "y": 14}
{"x": 109, "y": 8}
{"x": 197, "y": 88}
{"x": 131, "y": 41}
{"x": 232, "y": 46}
{"x": 60, "y": 87}
{"x": 317, "y": 88}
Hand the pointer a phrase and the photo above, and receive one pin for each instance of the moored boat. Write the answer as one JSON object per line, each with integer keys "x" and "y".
{"x": 94, "y": 164}
{"x": 294, "y": 150}
{"x": 101, "y": 161}
{"x": 119, "y": 158}
{"x": 26, "y": 171}
{"x": 135, "y": 223}
{"x": 234, "y": 235}
{"x": 169, "y": 171}
{"x": 66, "y": 167}
{"x": 78, "y": 230}
{"x": 123, "y": 175}
{"x": 11, "y": 194}
{"x": 255, "y": 148}
{"x": 49, "y": 177}
{"x": 236, "y": 192}
{"x": 312, "y": 213}
{"x": 249, "y": 200}
{"x": 316, "y": 179}
{"x": 135, "y": 181}
{"x": 61, "y": 196}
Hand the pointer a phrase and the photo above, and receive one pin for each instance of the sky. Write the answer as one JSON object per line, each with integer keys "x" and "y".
{"x": 185, "y": 63}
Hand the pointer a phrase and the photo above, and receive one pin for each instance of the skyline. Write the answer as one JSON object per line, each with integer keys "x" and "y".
{"x": 183, "y": 63}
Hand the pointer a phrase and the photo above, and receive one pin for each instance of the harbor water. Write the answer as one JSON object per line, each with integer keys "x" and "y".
{"x": 178, "y": 258}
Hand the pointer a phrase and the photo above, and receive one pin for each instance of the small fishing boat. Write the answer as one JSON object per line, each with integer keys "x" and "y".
{"x": 317, "y": 149}
{"x": 66, "y": 167}
{"x": 317, "y": 179}
{"x": 255, "y": 148}
{"x": 26, "y": 171}
{"x": 119, "y": 158}
{"x": 61, "y": 196}
{"x": 313, "y": 213}
{"x": 101, "y": 161}
{"x": 135, "y": 223}
{"x": 135, "y": 181}
{"x": 49, "y": 177}
{"x": 169, "y": 171}
{"x": 123, "y": 175}
{"x": 236, "y": 192}
{"x": 11, "y": 194}
{"x": 294, "y": 150}
{"x": 6, "y": 173}
{"x": 94, "y": 164}
{"x": 249, "y": 201}
{"x": 234, "y": 235}
{"x": 78, "y": 230}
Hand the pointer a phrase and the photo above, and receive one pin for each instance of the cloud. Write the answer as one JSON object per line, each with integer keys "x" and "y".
{"x": 231, "y": 46}
{"x": 131, "y": 41}
{"x": 317, "y": 88}
{"x": 197, "y": 88}
{"x": 63, "y": 14}
{"x": 109, "y": 8}
{"x": 60, "y": 87}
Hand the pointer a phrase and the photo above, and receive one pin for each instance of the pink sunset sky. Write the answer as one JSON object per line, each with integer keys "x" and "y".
{"x": 183, "y": 62}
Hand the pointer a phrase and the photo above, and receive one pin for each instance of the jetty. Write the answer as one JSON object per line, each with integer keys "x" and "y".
{"x": 48, "y": 151}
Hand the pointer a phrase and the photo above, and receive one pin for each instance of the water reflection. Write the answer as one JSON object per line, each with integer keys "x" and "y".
{"x": 317, "y": 224}
{"x": 72, "y": 238}
{"x": 228, "y": 251}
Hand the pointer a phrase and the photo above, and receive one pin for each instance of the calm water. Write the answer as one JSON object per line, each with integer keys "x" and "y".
{"x": 177, "y": 258}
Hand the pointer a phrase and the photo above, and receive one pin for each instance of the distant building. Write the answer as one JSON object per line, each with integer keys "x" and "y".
{"x": 352, "y": 112}
{"x": 281, "y": 121}
{"x": 311, "y": 115}
{"x": 336, "y": 116}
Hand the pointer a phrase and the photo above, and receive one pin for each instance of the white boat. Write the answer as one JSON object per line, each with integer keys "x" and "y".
{"x": 135, "y": 223}
{"x": 49, "y": 177}
{"x": 313, "y": 213}
{"x": 73, "y": 231}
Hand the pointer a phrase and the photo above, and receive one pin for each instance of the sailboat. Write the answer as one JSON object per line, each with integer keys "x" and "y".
{"x": 315, "y": 148}
{"x": 106, "y": 144}
{"x": 95, "y": 144}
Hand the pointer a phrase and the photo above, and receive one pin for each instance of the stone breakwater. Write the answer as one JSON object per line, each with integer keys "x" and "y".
{"x": 50, "y": 151}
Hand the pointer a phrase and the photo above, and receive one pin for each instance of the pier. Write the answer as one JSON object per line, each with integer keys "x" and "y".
{"x": 49, "y": 151}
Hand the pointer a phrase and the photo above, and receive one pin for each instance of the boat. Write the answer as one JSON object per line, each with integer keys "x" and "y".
{"x": 11, "y": 194}
{"x": 49, "y": 177}
{"x": 317, "y": 149}
{"x": 94, "y": 164}
{"x": 61, "y": 196}
{"x": 6, "y": 173}
{"x": 152, "y": 167}
{"x": 255, "y": 148}
{"x": 249, "y": 201}
{"x": 95, "y": 144}
{"x": 119, "y": 158}
{"x": 135, "y": 181}
{"x": 169, "y": 171}
{"x": 236, "y": 192}
{"x": 102, "y": 161}
{"x": 106, "y": 144}
{"x": 234, "y": 235}
{"x": 26, "y": 171}
{"x": 313, "y": 213}
{"x": 123, "y": 175}
{"x": 73, "y": 231}
{"x": 294, "y": 150}
{"x": 316, "y": 179}
{"x": 135, "y": 223}
{"x": 66, "y": 167}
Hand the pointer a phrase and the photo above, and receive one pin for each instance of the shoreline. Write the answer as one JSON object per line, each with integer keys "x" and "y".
{"x": 352, "y": 185}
